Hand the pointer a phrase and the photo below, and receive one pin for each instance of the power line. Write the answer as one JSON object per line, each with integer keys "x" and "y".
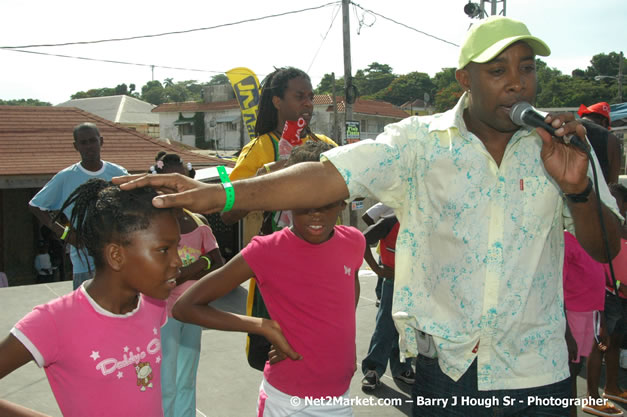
{"x": 324, "y": 38}
{"x": 255, "y": 19}
{"x": 404, "y": 25}
{"x": 117, "y": 62}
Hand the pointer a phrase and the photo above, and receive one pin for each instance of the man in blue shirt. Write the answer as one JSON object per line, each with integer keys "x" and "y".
{"x": 87, "y": 141}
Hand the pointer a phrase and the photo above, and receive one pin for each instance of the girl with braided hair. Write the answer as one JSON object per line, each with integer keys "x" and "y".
{"x": 100, "y": 344}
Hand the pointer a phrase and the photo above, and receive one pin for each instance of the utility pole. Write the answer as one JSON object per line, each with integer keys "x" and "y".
{"x": 493, "y": 8}
{"x": 335, "y": 132}
{"x": 349, "y": 95}
{"x": 620, "y": 77}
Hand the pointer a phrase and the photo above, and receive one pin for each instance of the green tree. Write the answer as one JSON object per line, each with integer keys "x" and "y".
{"x": 326, "y": 85}
{"x": 120, "y": 89}
{"x": 448, "y": 90}
{"x": 373, "y": 79}
{"x": 219, "y": 79}
{"x": 558, "y": 90}
{"x": 194, "y": 89}
{"x": 176, "y": 93}
{"x": 446, "y": 98}
{"x": 153, "y": 92}
{"x": 605, "y": 64}
{"x": 24, "y": 102}
{"x": 407, "y": 87}
{"x": 444, "y": 78}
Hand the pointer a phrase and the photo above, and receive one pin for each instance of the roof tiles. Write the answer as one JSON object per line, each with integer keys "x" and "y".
{"x": 38, "y": 141}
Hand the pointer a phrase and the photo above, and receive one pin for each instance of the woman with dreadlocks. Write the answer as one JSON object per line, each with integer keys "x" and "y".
{"x": 100, "y": 344}
{"x": 286, "y": 94}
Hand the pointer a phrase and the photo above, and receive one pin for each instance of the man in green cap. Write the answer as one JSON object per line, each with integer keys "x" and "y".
{"x": 482, "y": 205}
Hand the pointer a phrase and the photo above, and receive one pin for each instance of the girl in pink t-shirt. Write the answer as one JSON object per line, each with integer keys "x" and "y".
{"x": 180, "y": 341}
{"x": 99, "y": 345}
{"x": 307, "y": 275}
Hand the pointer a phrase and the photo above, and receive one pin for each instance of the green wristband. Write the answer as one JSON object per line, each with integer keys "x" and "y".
{"x": 208, "y": 262}
{"x": 228, "y": 189}
{"x": 65, "y": 232}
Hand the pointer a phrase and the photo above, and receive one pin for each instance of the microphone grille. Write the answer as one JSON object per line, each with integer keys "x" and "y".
{"x": 517, "y": 111}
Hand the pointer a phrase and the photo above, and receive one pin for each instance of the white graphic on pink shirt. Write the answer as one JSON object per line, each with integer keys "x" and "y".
{"x": 94, "y": 355}
{"x": 110, "y": 365}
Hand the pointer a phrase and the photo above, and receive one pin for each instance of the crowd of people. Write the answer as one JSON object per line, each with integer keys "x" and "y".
{"x": 475, "y": 301}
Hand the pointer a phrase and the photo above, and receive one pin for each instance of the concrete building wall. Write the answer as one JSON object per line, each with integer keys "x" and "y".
{"x": 225, "y": 127}
{"x": 168, "y": 130}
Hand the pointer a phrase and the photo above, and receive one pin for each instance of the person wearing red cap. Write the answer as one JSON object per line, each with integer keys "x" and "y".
{"x": 596, "y": 119}
{"x": 599, "y": 113}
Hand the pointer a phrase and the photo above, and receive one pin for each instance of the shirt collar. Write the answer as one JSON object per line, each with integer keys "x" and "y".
{"x": 454, "y": 119}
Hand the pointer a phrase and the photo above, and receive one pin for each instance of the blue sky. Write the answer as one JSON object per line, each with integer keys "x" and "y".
{"x": 575, "y": 30}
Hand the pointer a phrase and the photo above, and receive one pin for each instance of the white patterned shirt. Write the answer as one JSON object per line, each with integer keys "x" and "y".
{"x": 479, "y": 255}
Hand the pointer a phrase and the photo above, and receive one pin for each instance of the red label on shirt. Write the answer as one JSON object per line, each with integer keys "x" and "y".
{"x": 522, "y": 184}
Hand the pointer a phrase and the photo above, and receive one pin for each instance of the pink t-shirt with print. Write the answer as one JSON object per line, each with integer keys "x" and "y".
{"x": 310, "y": 291}
{"x": 191, "y": 247}
{"x": 98, "y": 363}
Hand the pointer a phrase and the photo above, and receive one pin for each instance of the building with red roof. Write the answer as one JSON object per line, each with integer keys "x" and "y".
{"x": 35, "y": 144}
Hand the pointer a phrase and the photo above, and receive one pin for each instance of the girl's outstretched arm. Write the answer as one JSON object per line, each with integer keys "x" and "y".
{"x": 13, "y": 355}
{"x": 192, "y": 306}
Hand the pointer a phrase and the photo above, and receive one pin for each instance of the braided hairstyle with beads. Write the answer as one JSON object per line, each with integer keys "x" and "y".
{"x": 275, "y": 84}
{"x": 102, "y": 213}
{"x": 164, "y": 160}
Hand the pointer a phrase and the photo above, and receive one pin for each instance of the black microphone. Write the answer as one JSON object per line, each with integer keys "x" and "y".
{"x": 524, "y": 114}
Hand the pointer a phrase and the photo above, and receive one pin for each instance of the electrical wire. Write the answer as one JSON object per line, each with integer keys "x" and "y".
{"x": 255, "y": 19}
{"x": 324, "y": 37}
{"x": 404, "y": 25}
{"x": 120, "y": 62}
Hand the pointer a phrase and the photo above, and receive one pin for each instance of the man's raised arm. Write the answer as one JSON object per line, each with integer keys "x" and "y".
{"x": 305, "y": 185}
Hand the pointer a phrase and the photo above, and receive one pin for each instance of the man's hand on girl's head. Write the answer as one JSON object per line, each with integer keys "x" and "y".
{"x": 176, "y": 191}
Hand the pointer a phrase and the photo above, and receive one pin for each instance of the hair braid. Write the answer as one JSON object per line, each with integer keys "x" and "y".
{"x": 102, "y": 213}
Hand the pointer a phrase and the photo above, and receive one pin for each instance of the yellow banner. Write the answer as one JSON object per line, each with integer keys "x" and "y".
{"x": 246, "y": 87}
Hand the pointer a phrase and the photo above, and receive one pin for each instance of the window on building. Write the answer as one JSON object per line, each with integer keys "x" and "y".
{"x": 186, "y": 129}
{"x": 363, "y": 125}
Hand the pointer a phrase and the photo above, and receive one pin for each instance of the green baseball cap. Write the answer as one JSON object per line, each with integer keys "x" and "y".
{"x": 489, "y": 38}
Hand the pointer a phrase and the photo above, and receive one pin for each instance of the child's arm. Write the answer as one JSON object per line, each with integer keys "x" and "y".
{"x": 382, "y": 271}
{"x": 13, "y": 355}
{"x": 9, "y": 409}
{"x": 192, "y": 306}
{"x": 198, "y": 269}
